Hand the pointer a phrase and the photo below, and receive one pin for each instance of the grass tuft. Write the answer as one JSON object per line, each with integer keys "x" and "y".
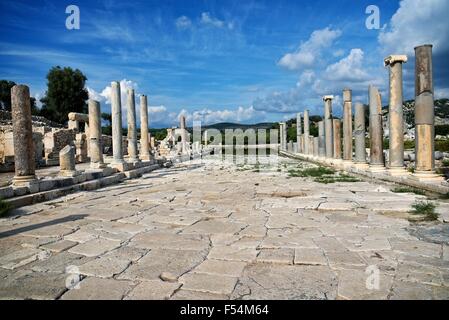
{"x": 5, "y": 207}
{"x": 425, "y": 208}
{"x": 311, "y": 172}
{"x": 408, "y": 190}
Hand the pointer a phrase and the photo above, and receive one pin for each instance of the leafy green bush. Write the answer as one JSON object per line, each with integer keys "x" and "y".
{"x": 425, "y": 208}
{"x": 5, "y": 207}
{"x": 408, "y": 190}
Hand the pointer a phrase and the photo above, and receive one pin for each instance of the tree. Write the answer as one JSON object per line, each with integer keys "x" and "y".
{"x": 107, "y": 117}
{"x": 5, "y": 97}
{"x": 65, "y": 94}
{"x": 5, "y": 94}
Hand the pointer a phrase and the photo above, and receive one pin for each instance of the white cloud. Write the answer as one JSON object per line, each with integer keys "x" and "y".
{"x": 183, "y": 22}
{"x": 157, "y": 109}
{"x": 349, "y": 68}
{"x": 308, "y": 51}
{"x": 105, "y": 94}
{"x": 417, "y": 22}
{"x": 207, "y": 19}
{"x": 208, "y": 116}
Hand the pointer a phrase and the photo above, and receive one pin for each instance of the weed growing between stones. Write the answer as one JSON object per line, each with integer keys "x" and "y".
{"x": 5, "y": 207}
{"x": 426, "y": 209}
{"x": 408, "y": 190}
{"x": 323, "y": 175}
{"x": 311, "y": 172}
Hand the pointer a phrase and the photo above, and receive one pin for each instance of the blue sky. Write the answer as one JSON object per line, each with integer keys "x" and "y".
{"x": 227, "y": 60}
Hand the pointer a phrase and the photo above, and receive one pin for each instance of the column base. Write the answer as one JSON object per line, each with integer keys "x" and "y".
{"x": 360, "y": 165}
{"x": 123, "y": 166}
{"x": 397, "y": 172}
{"x": 145, "y": 157}
{"x": 69, "y": 173}
{"x": 377, "y": 168}
{"x": 24, "y": 180}
{"x": 97, "y": 165}
{"x": 427, "y": 176}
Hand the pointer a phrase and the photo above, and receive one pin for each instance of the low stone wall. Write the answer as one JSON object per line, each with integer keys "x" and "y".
{"x": 7, "y": 148}
{"x": 55, "y": 141}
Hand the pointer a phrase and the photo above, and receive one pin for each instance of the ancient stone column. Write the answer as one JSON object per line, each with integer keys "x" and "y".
{"x": 311, "y": 145}
{"x": 328, "y": 126}
{"x": 299, "y": 131}
{"x": 306, "y": 132}
{"x": 206, "y": 138}
{"x": 144, "y": 134}
{"x": 132, "y": 127}
{"x": 424, "y": 115}
{"x": 95, "y": 145}
{"x": 377, "y": 163}
{"x": 290, "y": 146}
{"x": 321, "y": 140}
{"x": 153, "y": 142}
{"x": 67, "y": 161}
{"x": 337, "y": 138}
{"x": 396, "y": 116}
{"x": 316, "y": 148}
{"x": 359, "y": 133}
{"x": 24, "y": 153}
{"x": 116, "y": 109}
{"x": 182, "y": 121}
{"x": 347, "y": 125}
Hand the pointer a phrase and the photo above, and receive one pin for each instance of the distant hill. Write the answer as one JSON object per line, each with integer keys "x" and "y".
{"x": 229, "y": 125}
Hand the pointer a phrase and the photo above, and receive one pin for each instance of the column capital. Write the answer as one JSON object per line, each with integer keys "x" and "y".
{"x": 325, "y": 98}
{"x": 424, "y": 45}
{"x": 390, "y": 60}
{"x": 347, "y": 95}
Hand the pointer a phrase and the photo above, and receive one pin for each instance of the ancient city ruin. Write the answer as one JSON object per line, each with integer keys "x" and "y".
{"x": 350, "y": 202}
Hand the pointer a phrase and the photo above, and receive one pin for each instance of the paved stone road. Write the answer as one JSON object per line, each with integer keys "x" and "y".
{"x": 219, "y": 231}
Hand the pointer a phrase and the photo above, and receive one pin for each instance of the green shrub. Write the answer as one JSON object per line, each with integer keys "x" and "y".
{"x": 5, "y": 207}
{"x": 311, "y": 172}
{"x": 442, "y": 145}
{"x": 408, "y": 190}
{"x": 425, "y": 208}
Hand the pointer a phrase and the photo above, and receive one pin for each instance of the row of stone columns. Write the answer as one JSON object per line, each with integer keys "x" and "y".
{"x": 117, "y": 136}
{"x": 329, "y": 146}
{"x": 283, "y": 136}
{"x": 23, "y": 133}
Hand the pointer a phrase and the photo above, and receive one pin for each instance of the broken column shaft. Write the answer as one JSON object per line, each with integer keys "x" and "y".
{"x": 95, "y": 143}
{"x": 375, "y": 130}
{"x": 328, "y": 126}
{"x": 132, "y": 127}
{"x": 347, "y": 125}
{"x": 321, "y": 140}
{"x": 116, "y": 109}
{"x": 424, "y": 113}
{"x": 144, "y": 134}
{"x": 298, "y": 131}
{"x": 306, "y": 132}
{"x": 24, "y": 153}
{"x": 359, "y": 133}
{"x": 337, "y": 138}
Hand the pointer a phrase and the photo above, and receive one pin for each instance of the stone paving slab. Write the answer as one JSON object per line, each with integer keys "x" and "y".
{"x": 213, "y": 230}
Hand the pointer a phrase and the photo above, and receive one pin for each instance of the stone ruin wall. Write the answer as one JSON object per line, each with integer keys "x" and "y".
{"x": 49, "y": 139}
